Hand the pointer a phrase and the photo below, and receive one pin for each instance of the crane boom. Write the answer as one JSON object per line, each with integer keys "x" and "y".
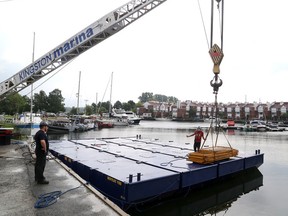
{"x": 95, "y": 33}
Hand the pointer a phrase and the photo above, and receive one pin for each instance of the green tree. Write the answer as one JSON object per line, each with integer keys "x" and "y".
{"x": 12, "y": 104}
{"x": 94, "y": 108}
{"x": 103, "y": 107}
{"x": 172, "y": 99}
{"x": 88, "y": 110}
{"x": 146, "y": 96}
{"x": 40, "y": 102}
{"x": 73, "y": 111}
{"x": 118, "y": 105}
{"x": 139, "y": 104}
{"x": 126, "y": 106}
{"x": 161, "y": 98}
{"x": 27, "y": 106}
{"x": 55, "y": 102}
{"x": 132, "y": 104}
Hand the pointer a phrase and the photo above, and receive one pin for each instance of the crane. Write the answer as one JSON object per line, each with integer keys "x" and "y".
{"x": 90, "y": 36}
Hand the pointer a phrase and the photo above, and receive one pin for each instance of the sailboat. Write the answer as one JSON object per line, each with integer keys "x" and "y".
{"x": 28, "y": 123}
{"x": 112, "y": 119}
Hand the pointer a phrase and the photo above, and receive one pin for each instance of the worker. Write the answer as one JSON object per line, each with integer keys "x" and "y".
{"x": 41, "y": 151}
{"x": 198, "y": 137}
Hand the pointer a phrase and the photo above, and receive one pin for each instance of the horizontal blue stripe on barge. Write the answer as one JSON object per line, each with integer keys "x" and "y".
{"x": 129, "y": 170}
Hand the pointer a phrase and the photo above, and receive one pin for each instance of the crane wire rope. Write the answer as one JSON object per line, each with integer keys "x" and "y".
{"x": 217, "y": 81}
{"x": 221, "y": 21}
{"x": 200, "y": 10}
{"x": 50, "y": 77}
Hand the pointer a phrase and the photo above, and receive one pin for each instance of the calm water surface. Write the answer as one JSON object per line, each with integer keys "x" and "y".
{"x": 261, "y": 192}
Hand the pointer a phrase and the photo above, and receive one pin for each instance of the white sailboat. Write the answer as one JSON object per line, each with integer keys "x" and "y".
{"x": 28, "y": 123}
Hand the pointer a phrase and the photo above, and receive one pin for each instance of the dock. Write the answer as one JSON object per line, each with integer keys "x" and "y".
{"x": 19, "y": 191}
{"x": 131, "y": 171}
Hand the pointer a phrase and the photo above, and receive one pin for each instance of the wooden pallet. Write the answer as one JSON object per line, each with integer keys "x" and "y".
{"x": 210, "y": 155}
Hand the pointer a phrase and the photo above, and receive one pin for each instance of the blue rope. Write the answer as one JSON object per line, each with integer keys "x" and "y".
{"x": 45, "y": 200}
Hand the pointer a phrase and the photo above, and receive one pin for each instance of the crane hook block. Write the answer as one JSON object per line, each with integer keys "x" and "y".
{"x": 216, "y": 69}
{"x": 216, "y": 54}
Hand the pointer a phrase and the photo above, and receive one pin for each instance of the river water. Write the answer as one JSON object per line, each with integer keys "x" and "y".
{"x": 260, "y": 192}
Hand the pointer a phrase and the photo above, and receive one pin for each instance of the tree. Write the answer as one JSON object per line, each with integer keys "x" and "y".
{"x": 40, "y": 102}
{"x": 126, "y": 106}
{"x": 88, "y": 110}
{"x": 161, "y": 98}
{"x": 139, "y": 104}
{"x": 27, "y": 106}
{"x": 94, "y": 108}
{"x": 132, "y": 104}
{"x": 118, "y": 105}
{"x": 12, "y": 104}
{"x": 172, "y": 99}
{"x": 147, "y": 96}
{"x": 103, "y": 107}
{"x": 73, "y": 111}
{"x": 55, "y": 102}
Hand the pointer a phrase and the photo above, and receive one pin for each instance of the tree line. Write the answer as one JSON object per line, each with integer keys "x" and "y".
{"x": 54, "y": 103}
{"x": 15, "y": 103}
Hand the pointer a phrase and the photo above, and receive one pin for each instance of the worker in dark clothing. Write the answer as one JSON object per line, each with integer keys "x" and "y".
{"x": 41, "y": 151}
{"x": 198, "y": 136}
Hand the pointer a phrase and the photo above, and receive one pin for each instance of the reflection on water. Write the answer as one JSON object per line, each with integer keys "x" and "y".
{"x": 210, "y": 200}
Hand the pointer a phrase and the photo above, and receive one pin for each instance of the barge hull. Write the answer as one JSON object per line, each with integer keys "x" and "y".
{"x": 130, "y": 171}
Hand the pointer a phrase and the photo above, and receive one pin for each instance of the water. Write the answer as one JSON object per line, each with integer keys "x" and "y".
{"x": 234, "y": 197}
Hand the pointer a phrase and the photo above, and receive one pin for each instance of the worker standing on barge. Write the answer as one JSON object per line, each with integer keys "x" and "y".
{"x": 198, "y": 137}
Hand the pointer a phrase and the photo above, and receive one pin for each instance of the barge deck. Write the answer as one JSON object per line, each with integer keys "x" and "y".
{"x": 130, "y": 171}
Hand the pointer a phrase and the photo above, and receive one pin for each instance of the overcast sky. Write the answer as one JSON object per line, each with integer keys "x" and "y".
{"x": 164, "y": 52}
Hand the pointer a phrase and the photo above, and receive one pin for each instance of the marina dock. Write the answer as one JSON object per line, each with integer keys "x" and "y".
{"x": 20, "y": 193}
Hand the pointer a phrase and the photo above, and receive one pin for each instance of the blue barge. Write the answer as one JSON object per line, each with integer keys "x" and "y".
{"x": 132, "y": 170}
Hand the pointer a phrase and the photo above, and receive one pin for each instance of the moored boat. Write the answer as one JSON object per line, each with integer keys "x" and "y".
{"x": 105, "y": 123}
{"x": 27, "y": 123}
{"x": 61, "y": 126}
{"x": 254, "y": 125}
{"x": 130, "y": 115}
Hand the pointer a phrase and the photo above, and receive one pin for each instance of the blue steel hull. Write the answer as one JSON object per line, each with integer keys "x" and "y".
{"x": 28, "y": 125}
{"x": 131, "y": 171}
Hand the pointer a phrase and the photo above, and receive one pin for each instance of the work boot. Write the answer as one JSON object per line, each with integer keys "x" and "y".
{"x": 43, "y": 182}
{"x": 37, "y": 179}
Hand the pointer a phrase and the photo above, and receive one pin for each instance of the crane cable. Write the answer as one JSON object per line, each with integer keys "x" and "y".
{"x": 200, "y": 10}
{"x": 216, "y": 82}
{"x": 42, "y": 83}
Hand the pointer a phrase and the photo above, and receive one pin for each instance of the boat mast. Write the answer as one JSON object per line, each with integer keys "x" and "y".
{"x": 78, "y": 94}
{"x": 110, "y": 103}
{"x": 31, "y": 97}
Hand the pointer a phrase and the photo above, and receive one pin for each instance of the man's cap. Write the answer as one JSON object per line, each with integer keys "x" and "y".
{"x": 43, "y": 123}
{"x": 198, "y": 128}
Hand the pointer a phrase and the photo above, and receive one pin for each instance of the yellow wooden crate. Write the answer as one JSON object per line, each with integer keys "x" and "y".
{"x": 210, "y": 155}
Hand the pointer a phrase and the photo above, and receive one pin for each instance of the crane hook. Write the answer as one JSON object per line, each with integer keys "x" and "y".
{"x": 216, "y": 84}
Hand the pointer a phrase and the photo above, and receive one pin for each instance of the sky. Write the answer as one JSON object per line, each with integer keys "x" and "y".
{"x": 164, "y": 52}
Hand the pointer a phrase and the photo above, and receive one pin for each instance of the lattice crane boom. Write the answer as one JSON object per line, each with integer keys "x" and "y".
{"x": 95, "y": 33}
